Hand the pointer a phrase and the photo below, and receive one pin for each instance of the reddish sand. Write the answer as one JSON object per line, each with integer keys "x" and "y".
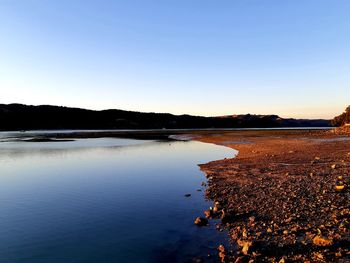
{"x": 285, "y": 197}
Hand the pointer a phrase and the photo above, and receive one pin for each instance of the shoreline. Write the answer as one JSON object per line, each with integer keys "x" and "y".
{"x": 280, "y": 197}
{"x": 277, "y": 198}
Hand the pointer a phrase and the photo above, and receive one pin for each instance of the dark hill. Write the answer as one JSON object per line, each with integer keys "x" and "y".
{"x": 26, "y": 117}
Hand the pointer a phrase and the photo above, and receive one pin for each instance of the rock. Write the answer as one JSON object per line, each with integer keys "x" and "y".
{"x": 334, "y": 166}
{"x": 222, "y": 257}
{"x": 322, "y": 241}
{"x": 223, "y": 215}
{"x": 288, "y": 220}
{"x": 245, "y": 244}
{"x": 339, "y": 187}
{"x": 222, "y": 254}
{"x": 244, "y": 233}
{"x": 187, "y": 195}
{"x": 208, "y": 213}
{"x": 200, "y": 221}
{"x": 221, "y": 248}
{"x": 215, "y": 209}
{"x": 318, "y": 257}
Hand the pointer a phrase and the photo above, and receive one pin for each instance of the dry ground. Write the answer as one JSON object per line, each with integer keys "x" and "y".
{"x": 285, "y": 197}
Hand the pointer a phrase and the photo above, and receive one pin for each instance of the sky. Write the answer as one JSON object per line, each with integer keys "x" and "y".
{"x": 201, "y": 57}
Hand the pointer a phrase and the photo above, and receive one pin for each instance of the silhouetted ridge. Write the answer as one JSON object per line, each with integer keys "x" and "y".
{"x": 27, "y": 117}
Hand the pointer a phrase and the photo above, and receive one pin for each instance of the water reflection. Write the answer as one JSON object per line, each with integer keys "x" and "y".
{"x": 103, "y": 200}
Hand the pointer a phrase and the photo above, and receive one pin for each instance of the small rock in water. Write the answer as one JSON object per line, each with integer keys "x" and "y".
{"x": 215, "y": 209}
{"x": 221, "y": 248}
{"x": 208, "y": 213}
{"x": 222, "y": 255}
{"x": 200, "y": 221}
{"x": 187, "y": 195}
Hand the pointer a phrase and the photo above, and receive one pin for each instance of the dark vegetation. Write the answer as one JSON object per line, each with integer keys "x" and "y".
{"x": 342, "y": 119}
{"x": 26, "y": 117}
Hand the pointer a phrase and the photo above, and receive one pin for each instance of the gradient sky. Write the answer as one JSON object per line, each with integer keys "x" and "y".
{"x": 203, "y": 57}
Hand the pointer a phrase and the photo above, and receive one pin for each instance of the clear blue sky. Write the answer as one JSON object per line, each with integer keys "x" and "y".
{"x": 205, "y": 57}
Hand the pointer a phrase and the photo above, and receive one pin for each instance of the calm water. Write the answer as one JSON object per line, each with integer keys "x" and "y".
{"x": 104, "y": 200}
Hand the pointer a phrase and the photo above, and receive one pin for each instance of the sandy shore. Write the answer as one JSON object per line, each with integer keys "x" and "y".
{"x": 285, "y": 197}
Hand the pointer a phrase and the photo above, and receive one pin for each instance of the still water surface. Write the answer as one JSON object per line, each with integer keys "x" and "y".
{"x": 104, "y": 200}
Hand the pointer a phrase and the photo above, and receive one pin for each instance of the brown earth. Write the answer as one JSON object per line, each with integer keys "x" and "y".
{"x": 285, "y": 197}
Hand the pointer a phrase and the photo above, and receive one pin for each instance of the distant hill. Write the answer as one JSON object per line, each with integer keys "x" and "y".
{"x": 27, "y": 117}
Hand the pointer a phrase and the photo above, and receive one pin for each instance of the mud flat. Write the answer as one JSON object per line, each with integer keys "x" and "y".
{"x": 285, "y": 197}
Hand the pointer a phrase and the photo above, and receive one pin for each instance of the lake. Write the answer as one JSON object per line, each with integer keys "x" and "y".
{"x": 104, "y": 200}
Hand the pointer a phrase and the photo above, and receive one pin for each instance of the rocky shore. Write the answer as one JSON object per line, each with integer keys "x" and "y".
{"x": 284, "y": 198}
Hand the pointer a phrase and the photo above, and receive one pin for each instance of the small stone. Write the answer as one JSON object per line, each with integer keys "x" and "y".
{"x": 288, "y": 220}
{"x": 339, "y": 187}
{"x": 334, "y": 166}
{"x": 215, "y": 209}
{"x": 221, "y": 248}
{"x": 208, "y": 213}
{"x": 200, "y": 221}
{"x": 338, "y": 254}
{"x": 223, "y": 215}
{"x": 322, "y": 241}
{"x": 218, "y": 205}
{"x": 252, "y": 219}
{"x": 222, "y": 257}
{"x": 318, "y": 256}
{"x": 244, "y": 233}
{"x": 245, "y": 244}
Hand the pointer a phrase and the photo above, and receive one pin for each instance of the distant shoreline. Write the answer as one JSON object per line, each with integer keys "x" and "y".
{"x": 28, "y": 117}
{"x": 162, "y": 134}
